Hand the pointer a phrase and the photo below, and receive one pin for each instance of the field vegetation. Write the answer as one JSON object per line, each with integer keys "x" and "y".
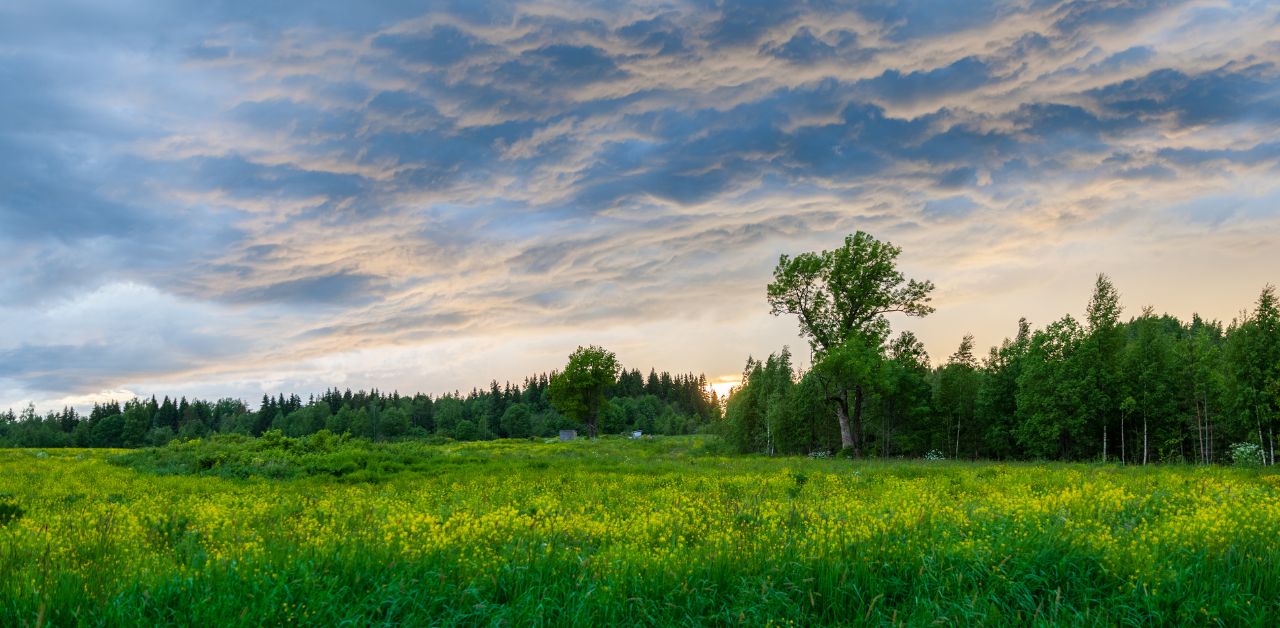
{"x": 668, "y": 530}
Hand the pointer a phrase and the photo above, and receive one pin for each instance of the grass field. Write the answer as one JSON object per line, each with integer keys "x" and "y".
{"x": 664, "y": 531}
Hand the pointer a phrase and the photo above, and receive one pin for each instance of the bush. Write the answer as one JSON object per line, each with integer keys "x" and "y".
{"x": 934, "y": 454}
{"x": 1246, "y": 455}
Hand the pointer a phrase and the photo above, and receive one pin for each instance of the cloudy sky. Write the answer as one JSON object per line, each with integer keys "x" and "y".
{"x": 226, "y": 198}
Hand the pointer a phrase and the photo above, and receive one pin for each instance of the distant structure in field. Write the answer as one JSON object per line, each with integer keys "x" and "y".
{"x": 636, "y": 434}
{"x": 567, "y": 435}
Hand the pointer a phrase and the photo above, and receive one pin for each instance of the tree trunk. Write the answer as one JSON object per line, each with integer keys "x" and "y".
{"x": 1199, "y": 431}
{"x": 858, "y": 395}
{"x": 884, "y": 429}
{"x": 957, "y": 456}
{"x": 1122, "y": 439}
{"x": 1211, "y": 453}
{"x": 1261, "y": 443}
{"x": 1144, "y": 438}
{"x": 846, "y": 432}
{"x": 1104, "y": 444}
{"x": 1208, "y": 430}
{"x": 768, "y": 436}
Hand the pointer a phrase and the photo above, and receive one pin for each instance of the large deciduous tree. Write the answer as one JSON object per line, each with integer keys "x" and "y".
{"x": 842, "y": 298}
{"x": 579, "y": 391}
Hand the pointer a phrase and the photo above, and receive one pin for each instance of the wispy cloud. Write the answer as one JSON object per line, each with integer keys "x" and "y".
{"x": 251, "y": 194}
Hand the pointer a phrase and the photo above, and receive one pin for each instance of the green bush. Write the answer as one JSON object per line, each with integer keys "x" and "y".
{"x": 1246, "y": 455}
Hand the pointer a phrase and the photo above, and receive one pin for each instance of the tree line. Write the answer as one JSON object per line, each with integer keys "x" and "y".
{"x": 660, "y": 403}
{"x": 1151, "y": 388}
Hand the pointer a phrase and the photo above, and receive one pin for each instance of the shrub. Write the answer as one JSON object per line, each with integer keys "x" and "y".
{"x": 1246, "y": 455}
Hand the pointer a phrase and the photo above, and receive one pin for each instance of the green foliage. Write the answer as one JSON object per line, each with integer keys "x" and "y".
{"x": 579, "y": 390}
{"x": 846, "y": 291}
{"x": 1150, "y": 389}
{"x": 517, "y": 421}
{"x": 663, "y": 531}
{"x": 957, "y": 392}
{"x": 841, "y": 298}
{"x": 1050, "y": 396}
{"x": 1247, "y": 455}
{"x": 9, "y": 512}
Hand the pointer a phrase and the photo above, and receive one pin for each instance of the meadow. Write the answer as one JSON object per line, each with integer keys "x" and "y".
{"x": 670, "y": 530}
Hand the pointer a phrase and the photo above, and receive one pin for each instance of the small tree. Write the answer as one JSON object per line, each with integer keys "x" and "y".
{"x": 517, "y": 421}
{"x": 579, "y": 391}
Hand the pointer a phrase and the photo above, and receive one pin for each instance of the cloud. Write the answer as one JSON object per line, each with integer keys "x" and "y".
{"x": 444, "y": 45}
{"x": 335, "y": 288}
{"x": 658, "y": 34}
{"x": 288, "y": 186}
{"x": 1217, "y": 96}
{"x": 962, "y": 75}
{"x": 745, "y": 22}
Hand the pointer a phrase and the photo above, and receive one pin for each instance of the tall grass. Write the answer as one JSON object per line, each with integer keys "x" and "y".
{"x": 668, "y": 531}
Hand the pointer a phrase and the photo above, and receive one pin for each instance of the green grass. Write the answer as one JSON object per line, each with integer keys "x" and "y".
{"x": 661, "y": 531}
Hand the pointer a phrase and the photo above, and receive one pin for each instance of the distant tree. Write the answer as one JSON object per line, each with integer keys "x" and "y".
{"x": 465, "y": 430}
{"x": 363, "y": 424}
{"x": 421, "y": 413}
{"x": 1149, "y": 368}
{"x": 449, "y": 411}
{"x": 579, "y": 390}
{"x": 997, "y": 404}
{"x": 759, "y": 417}
{"x": 395, "y": 422}
{"x": 904, "y": 391}
{"x": 1050, "y": 409}
{"x": 1200, "y": 357}
{"x": 517, "y": 421}
{"x": 957, "y": 393}
{"x": 1100, "y": 356}
{"x": 1255, "y": 357}
{"x": 341, "y": 422}
{"x": 136, "y": 424}
{"x": 842, "y": 298}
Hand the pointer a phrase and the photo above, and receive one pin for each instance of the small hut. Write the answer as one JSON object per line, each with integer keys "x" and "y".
{"x": 568, "y": 435}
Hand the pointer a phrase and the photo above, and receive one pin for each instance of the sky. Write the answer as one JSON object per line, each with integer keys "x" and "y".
{"x": 224, "y": 198}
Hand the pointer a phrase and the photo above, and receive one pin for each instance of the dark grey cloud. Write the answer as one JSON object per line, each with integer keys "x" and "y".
{"x": 659, "y": 34}
{"x": 1224, "y": 95}
{"x": 560, "y": 65}
{"x": 1074, "y": 15}
{"x": 1263, "y": 152}
{"x": 962, "y": 75}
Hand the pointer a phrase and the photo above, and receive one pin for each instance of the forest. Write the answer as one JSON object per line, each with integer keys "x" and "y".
{"x": 1146, "y": 389}
{"x": 1151, "y": 388}
{"x": 660, "y": 403}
